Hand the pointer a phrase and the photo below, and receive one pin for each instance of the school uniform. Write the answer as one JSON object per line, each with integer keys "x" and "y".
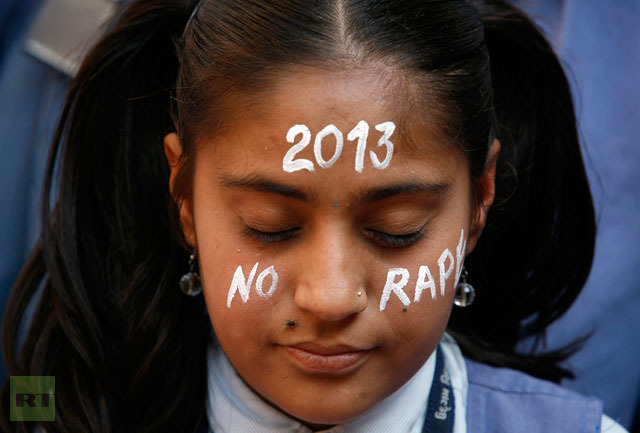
{"x": 485, "y": 399}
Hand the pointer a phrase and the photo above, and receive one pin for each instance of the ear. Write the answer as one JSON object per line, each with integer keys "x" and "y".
{"x": 173, "y": 152}
{"x": 486, "y": 187}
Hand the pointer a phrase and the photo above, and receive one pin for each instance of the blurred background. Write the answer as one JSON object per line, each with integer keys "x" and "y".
{"x": 41, "y": 42}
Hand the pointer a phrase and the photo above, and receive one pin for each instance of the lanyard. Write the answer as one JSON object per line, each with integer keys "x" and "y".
{"x": 441, "y": 406}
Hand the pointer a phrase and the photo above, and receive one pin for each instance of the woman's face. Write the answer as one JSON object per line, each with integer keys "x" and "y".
{"x": 353, "y": 246}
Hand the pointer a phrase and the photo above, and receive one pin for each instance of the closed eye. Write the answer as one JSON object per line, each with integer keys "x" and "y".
{"x": 384, "y": 239}
{"x": 395, "y": 241}
{"x": 266, "y": 237}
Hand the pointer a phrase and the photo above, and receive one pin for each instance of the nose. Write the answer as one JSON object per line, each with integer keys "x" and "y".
{"x": 330, "y": 302}
{"x": 331, "y": 284}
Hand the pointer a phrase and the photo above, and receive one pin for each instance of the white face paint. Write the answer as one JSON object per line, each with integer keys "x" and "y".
{"x": 446, "y": 266}
{"x": 360, "y": 132}
{"x": 446, "y": 254}
{"x": 425, "y": 281}
{"x": 317, "y": 146}
{"x": 274, "y": 282}
{"x": 392, "y": 286}
{"x": 243, "y": 286}
{"x": 388, "y": 128}
{"x": 288, "y": 164}
{"x": 460, "y": 252}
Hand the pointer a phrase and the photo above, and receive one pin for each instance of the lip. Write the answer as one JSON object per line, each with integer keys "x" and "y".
{"x": 331, "y": 359}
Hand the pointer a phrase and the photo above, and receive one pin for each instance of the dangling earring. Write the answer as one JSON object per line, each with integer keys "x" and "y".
{"x": 190, "y": 282}
{"x": 465, "y": 293}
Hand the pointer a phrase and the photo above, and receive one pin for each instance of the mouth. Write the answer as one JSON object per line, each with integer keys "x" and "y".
{"x": 333, "y": 359}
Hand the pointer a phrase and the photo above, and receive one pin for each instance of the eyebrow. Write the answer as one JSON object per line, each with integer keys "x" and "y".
{"x": 263, "y": 184}
{"x": 386, "y": 191}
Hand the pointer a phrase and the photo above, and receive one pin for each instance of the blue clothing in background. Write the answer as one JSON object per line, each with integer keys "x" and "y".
{"x": 599, "y": 42}
{"x": 31, "y": 94}
{"x": 14, "y": 17}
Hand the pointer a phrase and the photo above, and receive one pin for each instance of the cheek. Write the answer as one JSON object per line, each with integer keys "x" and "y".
{"x": 243, "y": 298}
{"x": 221, "y": 249}
{"x": 424, "y": 278}
{"x": 417, "y": 316}
{"x": 417, "y": 324}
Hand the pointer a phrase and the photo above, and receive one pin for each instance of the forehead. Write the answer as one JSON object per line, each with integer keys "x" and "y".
{"x": 253, "y": 136}
{"x": 319, "y": 95}
{"x": 373, "y": 92}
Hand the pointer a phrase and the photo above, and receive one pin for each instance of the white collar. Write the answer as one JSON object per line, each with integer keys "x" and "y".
{"x": 233, "y": 407}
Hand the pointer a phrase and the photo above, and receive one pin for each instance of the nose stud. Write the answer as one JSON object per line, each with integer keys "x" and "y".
{"x": 359, "y": 293}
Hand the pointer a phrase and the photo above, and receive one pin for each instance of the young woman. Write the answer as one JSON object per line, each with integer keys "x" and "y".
{"x": 312, "y": 176}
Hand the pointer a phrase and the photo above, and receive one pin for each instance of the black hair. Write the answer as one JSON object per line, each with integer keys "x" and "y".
{"x": 128, "y": 350}
{"x": 536, "y": 251}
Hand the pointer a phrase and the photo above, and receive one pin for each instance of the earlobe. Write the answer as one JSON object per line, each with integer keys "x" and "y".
{"x": 486, "y": 187}
{"x": 173, "y": 153}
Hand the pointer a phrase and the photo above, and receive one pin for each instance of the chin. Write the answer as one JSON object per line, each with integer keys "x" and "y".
{"x": 320, "y": 415}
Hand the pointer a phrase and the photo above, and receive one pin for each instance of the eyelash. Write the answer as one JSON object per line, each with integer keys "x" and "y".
{"x": 396, "y": 241}
{"x": 270, "y": 237}
{"x": 385, "y": 239}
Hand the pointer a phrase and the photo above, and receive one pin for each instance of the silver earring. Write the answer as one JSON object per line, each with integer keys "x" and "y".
{"x": 465, "y": 293}
{"x": 190, "y": 282}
